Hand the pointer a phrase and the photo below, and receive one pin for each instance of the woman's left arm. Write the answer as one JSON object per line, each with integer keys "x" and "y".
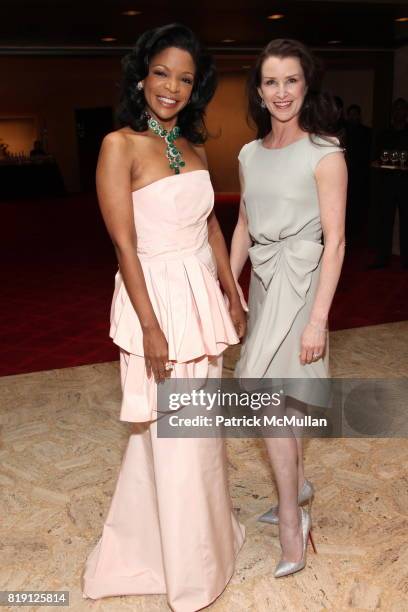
{"x": 331, "y": 179}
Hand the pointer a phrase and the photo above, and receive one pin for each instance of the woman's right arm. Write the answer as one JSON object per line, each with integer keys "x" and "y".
{"x": 113, "y": 183}
{"x": 241, "y": 241}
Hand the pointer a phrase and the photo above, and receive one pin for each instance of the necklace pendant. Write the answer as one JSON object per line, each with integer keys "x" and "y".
{"x": 173, "y": 154}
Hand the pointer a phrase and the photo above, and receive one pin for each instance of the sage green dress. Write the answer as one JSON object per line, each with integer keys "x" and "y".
{"x": 282, "y": 205}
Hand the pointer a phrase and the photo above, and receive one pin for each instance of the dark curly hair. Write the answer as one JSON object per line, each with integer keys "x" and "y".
{"x": 135, "y": 67}
{"x": 318, "y": 114}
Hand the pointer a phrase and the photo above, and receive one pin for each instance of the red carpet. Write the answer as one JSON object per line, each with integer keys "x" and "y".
{"x": 57, "y": 285}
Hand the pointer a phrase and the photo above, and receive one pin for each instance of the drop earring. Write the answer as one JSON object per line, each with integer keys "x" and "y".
{"x": 263, "y": 105}
{"x": 140, "y": 85}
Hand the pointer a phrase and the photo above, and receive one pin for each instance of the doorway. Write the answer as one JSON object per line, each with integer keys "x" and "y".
{"x": 92, "y": 124}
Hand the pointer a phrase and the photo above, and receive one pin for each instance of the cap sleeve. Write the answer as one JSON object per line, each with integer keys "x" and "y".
{"x": 241, "y": 155}
{"x": 320, "y": 147}
{"x": 246, "y": 152}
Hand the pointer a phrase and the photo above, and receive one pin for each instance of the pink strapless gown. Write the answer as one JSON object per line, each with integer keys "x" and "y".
{"x": 170, "y": 527}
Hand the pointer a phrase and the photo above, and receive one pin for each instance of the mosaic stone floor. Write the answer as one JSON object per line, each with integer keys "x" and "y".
{"x": 60, "y": 452}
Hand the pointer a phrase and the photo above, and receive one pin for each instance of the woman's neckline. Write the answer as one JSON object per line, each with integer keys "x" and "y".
{"x": 163, "y": 178}
{"x": 282, "y": 148}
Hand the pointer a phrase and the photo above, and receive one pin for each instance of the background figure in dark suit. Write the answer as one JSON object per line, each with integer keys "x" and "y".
{"x": 339, "y": 104}
{"x": 37, "y": 150}
{"x": 358, "y": 141}
{"x": 393, "y": 189}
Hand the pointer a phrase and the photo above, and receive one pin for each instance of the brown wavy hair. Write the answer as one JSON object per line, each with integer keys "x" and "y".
{"x": 318, "y": 114}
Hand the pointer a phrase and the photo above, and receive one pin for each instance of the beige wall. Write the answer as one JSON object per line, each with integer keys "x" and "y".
{"x": 227, "y": 121}
{"x": 49, "y": 90}
{"x": 18, "y": 133}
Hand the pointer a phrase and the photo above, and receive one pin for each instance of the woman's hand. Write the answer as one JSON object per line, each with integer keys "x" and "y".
{"x": 238, "y": 317}
{"x": 313, "y": 343}
{"x": 156, "y": 353}
{"x": 241, "y": 297}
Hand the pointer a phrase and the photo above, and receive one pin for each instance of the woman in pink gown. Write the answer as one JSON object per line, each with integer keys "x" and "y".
{"x": 170, "y": 527}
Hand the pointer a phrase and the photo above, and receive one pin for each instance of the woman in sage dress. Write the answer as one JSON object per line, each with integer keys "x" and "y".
{"x": 293, "y": 186}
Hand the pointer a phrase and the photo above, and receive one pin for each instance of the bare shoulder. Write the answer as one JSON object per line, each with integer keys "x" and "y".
{"x": 200, "y": 151}
{"x": 120, "y": 139}
{"x": 123, "y": 144}
{"x": 114, "y": 143}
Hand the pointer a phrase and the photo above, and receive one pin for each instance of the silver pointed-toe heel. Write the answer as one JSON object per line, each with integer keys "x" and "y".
{"x": 285, "y": 568}
{"x": 305, "y": 496}
{"x": 271, "y": 516}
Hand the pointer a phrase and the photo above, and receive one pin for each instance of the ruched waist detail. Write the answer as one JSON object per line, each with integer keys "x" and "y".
{"x": 285, "y": 269}
{"x": 298, "y": 253}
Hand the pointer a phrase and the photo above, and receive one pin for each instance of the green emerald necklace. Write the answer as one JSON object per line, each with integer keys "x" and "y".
{"x": 172, "y": 152}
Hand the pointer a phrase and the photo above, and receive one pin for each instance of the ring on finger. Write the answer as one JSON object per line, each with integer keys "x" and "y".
{"x": 169, "y": 365}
